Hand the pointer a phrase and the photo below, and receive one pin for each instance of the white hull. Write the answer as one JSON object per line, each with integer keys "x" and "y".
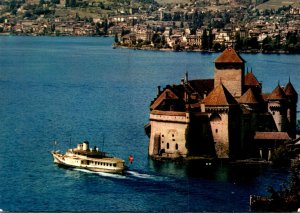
{"x": 108, "y": 165}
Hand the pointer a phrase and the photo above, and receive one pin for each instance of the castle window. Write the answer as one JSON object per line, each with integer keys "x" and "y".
{"x": 173, "y": 139}
{"x": 162, "y": 136}
{"x": 172, "y": 135}
{"x": 167, "y": 145}
{"x": 216, "y": 130}
{"x": 176, "y": 146}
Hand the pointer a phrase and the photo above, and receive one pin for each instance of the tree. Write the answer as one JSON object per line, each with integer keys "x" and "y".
{"x": 252, "y": 43}
{"x": 116, "y": 38}
{"x": 238, "y": 42}
{"x": 105, "y": 26}
{"x": 204, "y": 40}
{"x": 267, "y": 44}
{"x": 210, "y": 39}
{"x": 217, "y": 47}
{"x": 156, "y": 39}
{"x": 97, "y": 27}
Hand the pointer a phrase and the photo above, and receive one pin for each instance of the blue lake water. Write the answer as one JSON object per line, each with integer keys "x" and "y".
{"x": 73, "y": 89}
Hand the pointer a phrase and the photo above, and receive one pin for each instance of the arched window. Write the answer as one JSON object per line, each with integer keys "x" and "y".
{"x": 176, "y": 146}
{"x": 167, "y": 145}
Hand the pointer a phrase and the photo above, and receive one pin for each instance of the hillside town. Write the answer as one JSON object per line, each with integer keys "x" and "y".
{"x": 198, "y": 25}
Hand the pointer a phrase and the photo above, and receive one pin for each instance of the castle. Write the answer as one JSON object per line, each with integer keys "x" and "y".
{"x": 225, "y": 117}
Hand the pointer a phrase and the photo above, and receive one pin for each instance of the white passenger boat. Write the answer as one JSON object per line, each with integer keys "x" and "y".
{"x": 87, "y": 158}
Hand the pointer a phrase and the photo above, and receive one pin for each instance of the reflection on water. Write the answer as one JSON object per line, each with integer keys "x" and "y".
{"x": 221, "y": 172}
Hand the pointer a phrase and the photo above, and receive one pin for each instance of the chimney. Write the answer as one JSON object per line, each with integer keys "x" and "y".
{"x": 158, "y": 90}
{"x": 204, "y": 94}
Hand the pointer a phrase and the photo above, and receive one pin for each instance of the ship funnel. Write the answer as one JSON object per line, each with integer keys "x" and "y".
{"x": 86, "y": 145}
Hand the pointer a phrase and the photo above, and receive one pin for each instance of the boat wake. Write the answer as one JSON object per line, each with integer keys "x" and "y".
{"x": 129, "y": 174}
{"x": 136, "y": 174}
{"x": 104, "y": 174}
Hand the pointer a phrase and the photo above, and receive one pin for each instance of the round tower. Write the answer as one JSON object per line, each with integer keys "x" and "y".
{"x": 292, "y": 99}
{"x": 277, "y": 107}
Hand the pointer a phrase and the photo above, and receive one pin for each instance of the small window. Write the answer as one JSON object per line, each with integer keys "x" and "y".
{"x": 172, "y": 135}
{"x": 273, "y": 113}
{"x": 176, "y": 146}
{"x": 115, "y": 165}
{"x": 173, "y": 139}
{"x": 167, "y": 145}
{"x": 216, "y": 130}
{"x": 162, "y": 136}
{"x": 162, "y": 141}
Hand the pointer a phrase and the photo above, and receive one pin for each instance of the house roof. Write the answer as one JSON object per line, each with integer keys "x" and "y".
{"x": 202, "y": 86}
{"x": 168, "y": 93}
{"x": 277, "y": 94}
{"x": 271, "y": 136}
{"x": 220, "y": 96}
{"x": 229, "y": 55}
{"x": 289, "y": 90}
{"x": 251, "y": 80}
{"x": 249, "y": 98}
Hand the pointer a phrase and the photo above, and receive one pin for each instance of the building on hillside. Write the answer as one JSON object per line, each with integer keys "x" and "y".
{"x": 225, "y": 117}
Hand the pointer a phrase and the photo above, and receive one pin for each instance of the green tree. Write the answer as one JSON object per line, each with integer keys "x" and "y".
{"x": 267, "y": 44}
{"x": 105, "y": 26}
{"x": 116, "y": 38}
{"x": 238, "y": 42}
{"x": 204, "y": 40}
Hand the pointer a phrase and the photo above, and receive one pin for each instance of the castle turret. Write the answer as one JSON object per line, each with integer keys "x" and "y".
{"x": 292, "y": 99}
{"x": 229, "y": 71}
{"x": 221, "y": 106}
{"x": 252, "y": 82}
{"x": 277, "y": 107}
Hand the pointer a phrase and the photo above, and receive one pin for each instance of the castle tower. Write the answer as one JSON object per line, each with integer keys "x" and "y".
{"x": 292, "y": 99}
{"x": 221, "y": 108}
{"x": 229, "y": 71}
{"x": 252, "y": 82}
{"x": 277, "y": 107}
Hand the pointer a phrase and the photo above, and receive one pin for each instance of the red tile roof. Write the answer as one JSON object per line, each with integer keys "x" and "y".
{"x": 167, "y": 94}
{"x": 220, "y": 96}
{"x": 271, "y": 136}
{"x": 202, "y": 86}
{"x": 251, "y": 80}
{"x": 249, "y": 98}
{"x": 229, "y": 55}
{"x": 289, "y": 90}
{"x": 277, "y": 94}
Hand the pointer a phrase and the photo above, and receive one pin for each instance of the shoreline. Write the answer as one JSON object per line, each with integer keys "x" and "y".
{"x": 278, "y": 52}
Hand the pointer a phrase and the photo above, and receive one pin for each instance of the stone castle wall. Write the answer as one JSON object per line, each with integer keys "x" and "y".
{"x": 169, "y": 131}
{"x": 231, "y": 77}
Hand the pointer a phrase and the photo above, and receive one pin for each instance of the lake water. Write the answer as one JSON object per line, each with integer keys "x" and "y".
{"x": 73, "y": 89}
